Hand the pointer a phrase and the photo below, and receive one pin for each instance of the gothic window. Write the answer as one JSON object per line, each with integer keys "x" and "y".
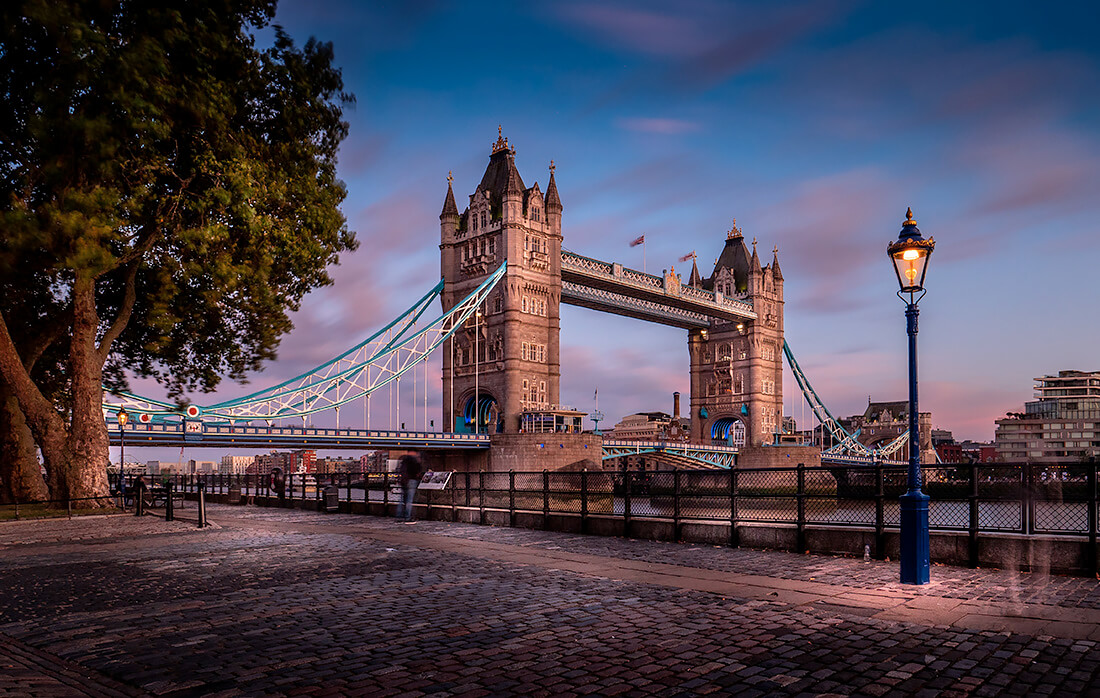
{"x": 526, "y": 351}
{"x": 492, "y": 246}
{"x": 542, "y": 391}
{"x": 768, "y": 386}
{"x": 535, "y": 214}
{"x": 525, "y": 304}
{"x": 498, "y": 303}
{"x": 483, "y": 219}
{"x": 768, "y": 352}
{"x": 739, "y": 384}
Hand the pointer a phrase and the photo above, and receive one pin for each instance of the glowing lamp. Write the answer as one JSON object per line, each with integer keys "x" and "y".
{"x": 910, "y": 253}
{"x": 123, "y": 417}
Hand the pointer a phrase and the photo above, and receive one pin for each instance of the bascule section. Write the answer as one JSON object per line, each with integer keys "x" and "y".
{"x": 504, "y": 361}
{"x": 737, "y": 364}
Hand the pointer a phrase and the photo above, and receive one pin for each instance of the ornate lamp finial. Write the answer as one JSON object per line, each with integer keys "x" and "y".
{"x": 909, "y": 217}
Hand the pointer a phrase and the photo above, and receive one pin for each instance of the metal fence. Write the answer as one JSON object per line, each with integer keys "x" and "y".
{"x": 973, "y": 498}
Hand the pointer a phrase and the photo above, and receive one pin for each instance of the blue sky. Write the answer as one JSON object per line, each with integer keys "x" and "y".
{"x": 814, "y": 124}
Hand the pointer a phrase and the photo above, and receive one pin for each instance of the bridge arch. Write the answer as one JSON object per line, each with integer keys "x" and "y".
{"x": 482, "y": 414}
{"x": 729, "y": 429}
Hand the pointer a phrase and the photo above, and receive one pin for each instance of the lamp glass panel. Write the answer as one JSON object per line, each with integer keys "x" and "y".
{"x": 910, "y": 265}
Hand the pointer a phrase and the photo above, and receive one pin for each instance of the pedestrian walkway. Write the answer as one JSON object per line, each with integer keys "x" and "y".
{"x": 290, "y": 602}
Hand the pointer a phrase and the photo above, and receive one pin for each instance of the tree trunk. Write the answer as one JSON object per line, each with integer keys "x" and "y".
{"x": 85, "y": 468}
{"x": 20, "y": 474}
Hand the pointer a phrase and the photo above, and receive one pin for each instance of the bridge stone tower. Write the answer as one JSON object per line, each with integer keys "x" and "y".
{"x": 516, "y": 365}
{"x": 737, "y": 368}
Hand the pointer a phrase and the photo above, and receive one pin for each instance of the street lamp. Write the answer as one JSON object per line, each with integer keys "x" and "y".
{"x": 123, "y": 417}
{"x": 910, "y": 254}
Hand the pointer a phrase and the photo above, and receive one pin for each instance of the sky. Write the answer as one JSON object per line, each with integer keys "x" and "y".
{"x": 814, "y": 124}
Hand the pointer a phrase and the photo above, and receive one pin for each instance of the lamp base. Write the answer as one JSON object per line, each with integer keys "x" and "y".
{"x": 914, "y": 538}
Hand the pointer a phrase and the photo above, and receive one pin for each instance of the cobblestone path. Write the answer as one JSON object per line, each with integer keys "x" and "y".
{"x": 283, "y": 602}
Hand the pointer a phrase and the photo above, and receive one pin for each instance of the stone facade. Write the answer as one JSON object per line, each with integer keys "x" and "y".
{"x": 509, "y": 353}
{"x": 737, "y": 368}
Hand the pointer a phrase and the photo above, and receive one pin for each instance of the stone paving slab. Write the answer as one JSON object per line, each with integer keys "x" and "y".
{"x": 283, "y": 602}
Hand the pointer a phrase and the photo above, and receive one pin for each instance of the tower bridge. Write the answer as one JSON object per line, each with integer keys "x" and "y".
{"x": 505, "y": 274}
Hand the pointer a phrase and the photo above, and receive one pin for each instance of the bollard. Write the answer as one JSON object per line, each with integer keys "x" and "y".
{"x": 202, "y": 505}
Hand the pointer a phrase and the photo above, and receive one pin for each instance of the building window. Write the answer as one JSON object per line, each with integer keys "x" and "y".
{"x": 525, "y": 304}
{"x": 739, "y": 384}
{"x": 525, "y": 351}
{"x": 483, "y": 219}
{"x": 492, "y": 246}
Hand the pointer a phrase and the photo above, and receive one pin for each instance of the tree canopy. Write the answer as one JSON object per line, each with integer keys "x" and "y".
{"x": 168, "y": 194}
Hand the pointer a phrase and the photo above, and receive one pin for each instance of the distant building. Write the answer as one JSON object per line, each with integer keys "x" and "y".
{"x": 650, "y": 426}
{"x": 235, "y": 465}
{"x": 1061, "y": 426}
{"x": 201, "y": 467}
{"x": 329, "y": 465}
{"x": 294, "y": 462}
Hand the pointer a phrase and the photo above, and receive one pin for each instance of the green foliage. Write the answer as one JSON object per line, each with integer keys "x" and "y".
{"x": 152, "y": 149}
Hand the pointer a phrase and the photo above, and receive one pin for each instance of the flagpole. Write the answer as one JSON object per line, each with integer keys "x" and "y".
{"x": 643, "y": 255}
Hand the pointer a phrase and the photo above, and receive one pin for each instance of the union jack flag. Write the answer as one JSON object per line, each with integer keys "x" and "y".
{"x": 640, "y": 240}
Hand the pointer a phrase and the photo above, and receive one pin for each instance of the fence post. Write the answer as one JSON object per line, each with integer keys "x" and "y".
{"x": 626, "y": 500}
{"x": 676, "y": 505}
{"x": 481, "y": 497}
{"x": 545, "y": 498}
{"x": 467, "y": 488}
{"x": 454, "y": 496}
{"x": 512, "y": 498}
{"x": 880, "y": 510}
{"x": 1027, "y": 500}
{"x": 801, "y": 504}
{"x": 202, "y": 504}
{"x": 972, "y": 524}
{"x": 169, "y": 509}
{"x": 1093, "y": 556}
{"x": 584, "y": 500}
{"x": 385, "y": 493}
{"x": 735, "y": 538}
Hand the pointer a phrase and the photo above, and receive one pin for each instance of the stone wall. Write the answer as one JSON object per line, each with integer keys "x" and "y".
{"x": 778, "y": 456}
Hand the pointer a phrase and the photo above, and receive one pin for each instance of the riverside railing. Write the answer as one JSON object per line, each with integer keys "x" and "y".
{"x": 1025, "y": 499}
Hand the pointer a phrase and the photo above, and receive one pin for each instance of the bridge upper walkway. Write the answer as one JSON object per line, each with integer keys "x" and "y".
{"x": 612, "y": 288}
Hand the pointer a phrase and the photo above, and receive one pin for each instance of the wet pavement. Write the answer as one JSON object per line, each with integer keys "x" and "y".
{"x": 290, "y": 602}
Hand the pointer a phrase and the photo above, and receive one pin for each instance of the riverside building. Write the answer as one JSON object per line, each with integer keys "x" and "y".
{"x": 1061, "y": 426}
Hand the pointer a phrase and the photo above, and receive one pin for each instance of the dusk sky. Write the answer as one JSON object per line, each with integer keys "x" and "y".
{"x": 813, "y": 124}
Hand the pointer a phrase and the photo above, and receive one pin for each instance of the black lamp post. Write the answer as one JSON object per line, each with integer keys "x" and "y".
{"x": 910, "y": 254}
{"x": 123, "y": 417}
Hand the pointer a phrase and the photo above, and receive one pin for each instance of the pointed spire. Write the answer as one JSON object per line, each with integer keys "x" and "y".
{"x": 754, "y": 263}
{"x": 553, "y": 203}
{"x": 695, "y": 279}
{"x": 449, "y": 207}
{"x": 775, "y": 263}
{"x": 514, "y": 186}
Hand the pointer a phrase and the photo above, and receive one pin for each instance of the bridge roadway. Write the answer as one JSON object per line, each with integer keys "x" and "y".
{"x": 198, "y": 434}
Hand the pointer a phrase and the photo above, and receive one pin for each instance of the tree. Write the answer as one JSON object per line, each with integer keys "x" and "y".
{"x": 174, "y": 190}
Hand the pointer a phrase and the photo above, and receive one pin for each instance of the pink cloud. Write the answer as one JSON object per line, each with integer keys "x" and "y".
{"x": 659, "y": 126}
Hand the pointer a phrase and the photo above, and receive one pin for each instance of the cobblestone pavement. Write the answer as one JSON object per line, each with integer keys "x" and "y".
{"x": 284, "y": 602}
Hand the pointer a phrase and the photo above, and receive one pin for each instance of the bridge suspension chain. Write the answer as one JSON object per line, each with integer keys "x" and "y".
{"x": 376, "y": 362}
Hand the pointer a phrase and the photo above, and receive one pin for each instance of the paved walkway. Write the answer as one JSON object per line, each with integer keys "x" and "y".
{"x": 286, "y": 602}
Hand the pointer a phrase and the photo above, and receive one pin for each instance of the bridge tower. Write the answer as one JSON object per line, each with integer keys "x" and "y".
{"x": 737, "y": 367}
{"x": 516, "y": 366}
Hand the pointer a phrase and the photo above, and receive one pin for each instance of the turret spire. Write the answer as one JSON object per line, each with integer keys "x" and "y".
{"x": 449, "y": 206}
{"x": 553, "y": 203}
{"x": 775, "y": 263}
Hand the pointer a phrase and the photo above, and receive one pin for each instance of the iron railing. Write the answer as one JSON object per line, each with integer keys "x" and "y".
{"x": 1027, "y": 498}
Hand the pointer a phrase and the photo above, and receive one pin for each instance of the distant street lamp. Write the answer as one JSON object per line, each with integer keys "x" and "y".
{"x": 123, "y": 417}
{"x": 910, "y": 254}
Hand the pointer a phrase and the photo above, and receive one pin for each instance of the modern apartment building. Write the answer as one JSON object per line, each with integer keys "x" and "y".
{"x": 1061, "y": 426}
